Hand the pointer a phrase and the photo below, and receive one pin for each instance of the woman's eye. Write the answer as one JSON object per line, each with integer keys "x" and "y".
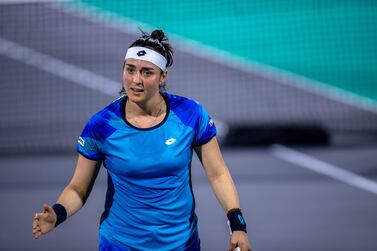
{"x": 130, "y": 70}
{"x": 148, "y": 73}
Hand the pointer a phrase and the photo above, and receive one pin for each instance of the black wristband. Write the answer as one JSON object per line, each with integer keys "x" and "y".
{"x": 61, "y": 213}
{"x": 236, "y": 221}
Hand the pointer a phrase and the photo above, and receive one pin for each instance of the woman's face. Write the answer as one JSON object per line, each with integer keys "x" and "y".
{"x": 141, "y": 79}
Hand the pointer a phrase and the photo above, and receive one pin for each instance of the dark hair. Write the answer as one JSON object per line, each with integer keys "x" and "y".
{"x": 158, "y": 42}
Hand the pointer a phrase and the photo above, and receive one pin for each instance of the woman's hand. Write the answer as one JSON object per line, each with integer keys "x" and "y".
{"x": 44, "y": 222}
{"x": 239, "y": 239}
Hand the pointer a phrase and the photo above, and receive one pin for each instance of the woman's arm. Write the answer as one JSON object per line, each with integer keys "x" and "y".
{"x": 218, "y": 174}
{"x": 77, "y": 192}
{"x": 72, "y": 198}
{"x": 223, "y": 186}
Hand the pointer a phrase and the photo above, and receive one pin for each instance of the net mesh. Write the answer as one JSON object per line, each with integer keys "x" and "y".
{"x": 251, "y": 63}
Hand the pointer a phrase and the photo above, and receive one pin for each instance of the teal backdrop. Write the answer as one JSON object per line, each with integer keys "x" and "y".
{"x": 333, "y": 42}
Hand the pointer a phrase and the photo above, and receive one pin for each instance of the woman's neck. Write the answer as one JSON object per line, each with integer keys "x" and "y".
{"x": 151, "y": 107}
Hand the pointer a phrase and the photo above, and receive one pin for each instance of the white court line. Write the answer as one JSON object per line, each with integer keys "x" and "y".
{"x": 59, "y": 68}
{"x": 130, "y": 26}
{"x": 324, "y": 168}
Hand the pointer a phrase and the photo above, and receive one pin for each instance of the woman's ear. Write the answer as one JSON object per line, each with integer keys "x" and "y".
{"x": 164, "y": 76}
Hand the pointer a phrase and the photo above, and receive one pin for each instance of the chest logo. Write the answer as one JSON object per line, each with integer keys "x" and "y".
{"x": 170, "y": 141}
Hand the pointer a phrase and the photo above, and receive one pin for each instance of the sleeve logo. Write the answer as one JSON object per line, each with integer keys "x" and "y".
{"x": 81, "y": 141}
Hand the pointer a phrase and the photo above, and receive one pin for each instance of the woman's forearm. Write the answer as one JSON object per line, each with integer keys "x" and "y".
{"x": 218, "y": 174}
{"x": 225, "y": 191}
{"x": 76, "y": 193}
{"x": 72, "y": 199}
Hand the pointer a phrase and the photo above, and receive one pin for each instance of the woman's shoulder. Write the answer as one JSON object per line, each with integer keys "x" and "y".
{"x": 188, "y": 110}
{"x": 177, "y": 101}
{"x": 112, "y": 110}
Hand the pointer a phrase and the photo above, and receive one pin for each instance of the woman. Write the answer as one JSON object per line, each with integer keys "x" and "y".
{"x": 145, "y": 140}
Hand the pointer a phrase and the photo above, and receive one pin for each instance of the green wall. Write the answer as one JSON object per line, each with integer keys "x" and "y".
{"x": 330, "y": 41}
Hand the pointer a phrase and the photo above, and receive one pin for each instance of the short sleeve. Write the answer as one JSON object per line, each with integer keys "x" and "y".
{"x": 205, "y": 128}
{"x": 95, "y": 132}
{"x": 88, "y": 144}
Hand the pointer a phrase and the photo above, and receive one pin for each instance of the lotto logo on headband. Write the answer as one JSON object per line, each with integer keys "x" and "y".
{"x": 141, "y": 53}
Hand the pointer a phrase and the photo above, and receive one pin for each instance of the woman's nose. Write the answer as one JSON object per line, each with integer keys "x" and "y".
{"x": 137, "y": 78}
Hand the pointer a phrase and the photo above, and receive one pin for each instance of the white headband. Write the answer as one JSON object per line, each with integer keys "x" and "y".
{"x": 147, "y": 55}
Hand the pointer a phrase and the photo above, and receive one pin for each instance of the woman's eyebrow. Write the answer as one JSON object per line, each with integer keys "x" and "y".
{"x": 147, "y": 69}
{"x": 143, "y": 69}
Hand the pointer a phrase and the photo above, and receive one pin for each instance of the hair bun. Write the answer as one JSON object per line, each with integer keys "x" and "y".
{"x": 158, "y": 42}
{"x": 158, "y": 34}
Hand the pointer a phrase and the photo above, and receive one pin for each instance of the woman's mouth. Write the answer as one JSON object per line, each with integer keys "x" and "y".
{"x": 136, "y": 90}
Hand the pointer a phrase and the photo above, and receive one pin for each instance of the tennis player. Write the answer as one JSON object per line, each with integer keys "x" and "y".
{"x": 145, "y": 139}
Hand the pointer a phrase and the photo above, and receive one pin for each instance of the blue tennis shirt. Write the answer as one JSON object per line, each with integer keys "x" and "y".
{"x": 149, "y": 202}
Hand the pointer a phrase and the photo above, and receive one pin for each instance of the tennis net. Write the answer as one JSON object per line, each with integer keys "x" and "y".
{"x": 263, "y": 68}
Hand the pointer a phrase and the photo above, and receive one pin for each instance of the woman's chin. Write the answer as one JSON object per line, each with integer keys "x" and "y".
{"x": 136, "y": 97}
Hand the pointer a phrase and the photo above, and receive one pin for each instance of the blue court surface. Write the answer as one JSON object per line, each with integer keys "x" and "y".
{"x": 53, "y": 77}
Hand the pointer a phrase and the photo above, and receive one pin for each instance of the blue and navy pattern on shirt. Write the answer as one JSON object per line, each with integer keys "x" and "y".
{"x": 149, "y": 201}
